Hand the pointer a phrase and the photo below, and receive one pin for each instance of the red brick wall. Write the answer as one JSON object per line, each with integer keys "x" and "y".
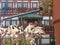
{"x": 56, "y": 17}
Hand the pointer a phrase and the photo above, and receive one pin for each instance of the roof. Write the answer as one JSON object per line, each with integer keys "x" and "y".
{"x": 31, "y": 15}
{"x": 28, "y": 15}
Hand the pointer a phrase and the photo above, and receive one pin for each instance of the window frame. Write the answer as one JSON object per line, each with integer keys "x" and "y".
{"x": 25, "y": 6}
{"x": 46, "y": 23}
{"x": 6, "y": 22}
{"x": 33, "y": 4}
{"x": 18, "y": 4}
{"x": 15, "y": 22}
{"x": 3, "y": 6}
{"x": 9, "y": 6}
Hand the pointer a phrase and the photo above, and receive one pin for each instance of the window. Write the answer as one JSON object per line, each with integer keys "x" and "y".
{"x": 4, "y": 7}
{"x": 10, "y": 5}
{"x": 19, "y": 4}
{"x": 34, "y": 5}
{"x": 14, "y": 22}
{"x": 3, "y": 23}
{"x": 7, "y": 23}
{"x": 25, "y": 5}
{"x": 46, "y": 22}
{"x": 19, "y": 0}
{"x": 3, "y": 4}
{"x": 0, "y": 8}
{"x": 42, "y": 21}
{"x": 25, "y": 0}
{"x": 0, "y": 5}
{"x": 10, "y": 0}
{"x": 45, "y": 41}
{"x": 3, "y": 0}
{"x": 34, "y": 0}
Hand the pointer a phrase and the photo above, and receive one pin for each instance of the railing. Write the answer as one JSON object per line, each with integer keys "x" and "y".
{"x": 14, "y": 11}
{"x": 9, "y": 11}
{"x": 49, "y": 30}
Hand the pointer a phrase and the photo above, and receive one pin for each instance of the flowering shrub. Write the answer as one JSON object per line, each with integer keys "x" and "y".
{"x": 14, "y": 36}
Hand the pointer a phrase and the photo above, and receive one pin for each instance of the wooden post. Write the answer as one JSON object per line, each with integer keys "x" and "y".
{"x": 56, "y": 20}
